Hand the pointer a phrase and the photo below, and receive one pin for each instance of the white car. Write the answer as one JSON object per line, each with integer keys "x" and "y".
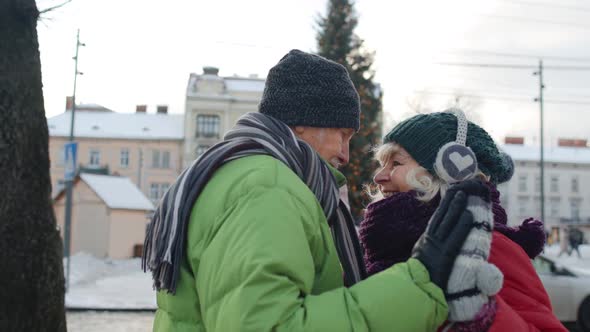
{"x": 569, "y": 291}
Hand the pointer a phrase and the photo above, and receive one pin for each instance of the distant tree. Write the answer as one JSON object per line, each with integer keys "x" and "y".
{"x": 468, "y": 104}
{"x": 32, "y": 278}
{"x": 337, "y": 41}
{"x": 421, "y": 103}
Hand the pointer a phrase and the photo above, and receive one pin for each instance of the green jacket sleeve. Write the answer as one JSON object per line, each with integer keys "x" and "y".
{"x": 257, "y": 272}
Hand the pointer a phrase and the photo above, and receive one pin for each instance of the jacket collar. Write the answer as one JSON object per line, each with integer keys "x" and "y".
{"x": 340, "y": 178}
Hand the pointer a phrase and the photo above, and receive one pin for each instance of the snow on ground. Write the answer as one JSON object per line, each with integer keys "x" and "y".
{"x": 579, "y": 265}
{"x": 108, "y": 284}
{"x": 93, "y": 321}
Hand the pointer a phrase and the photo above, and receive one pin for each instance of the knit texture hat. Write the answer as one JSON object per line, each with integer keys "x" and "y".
{"x": 308, "y": 90}
{"x": 424, "y": 134}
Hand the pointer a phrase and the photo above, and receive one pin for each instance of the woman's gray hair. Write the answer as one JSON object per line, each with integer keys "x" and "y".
{"x": 425, "y": 184}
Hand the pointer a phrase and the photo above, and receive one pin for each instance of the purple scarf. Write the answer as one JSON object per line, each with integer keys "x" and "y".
{"x": 391, "y": 228}
{"x": 393, "y": 225}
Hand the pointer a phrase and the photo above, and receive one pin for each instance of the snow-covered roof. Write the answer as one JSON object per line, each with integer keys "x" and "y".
{"x": 574, "y": 155}
{"x": 230, "y": 85}
{"x": 119, "y": 125}
{"x": 244, "y": 84}
{"x": 117, "y": 192}
{"x": 91, "y": 107}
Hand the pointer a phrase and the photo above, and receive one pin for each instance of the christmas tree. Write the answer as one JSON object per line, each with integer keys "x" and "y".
{"x": 338, "y": 42}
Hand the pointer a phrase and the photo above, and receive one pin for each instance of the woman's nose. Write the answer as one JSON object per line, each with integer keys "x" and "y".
{"x": 381, "y": 176}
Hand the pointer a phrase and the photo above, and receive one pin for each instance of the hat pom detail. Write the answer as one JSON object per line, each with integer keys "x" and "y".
{"x": 507, "y": 168}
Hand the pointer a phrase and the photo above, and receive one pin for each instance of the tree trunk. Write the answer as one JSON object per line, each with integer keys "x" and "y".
{"x": 31, "y": 276}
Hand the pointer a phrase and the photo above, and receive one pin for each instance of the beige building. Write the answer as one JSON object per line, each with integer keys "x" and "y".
{"x": 144, "y": 147}
{"x": 148, "y": 149}
{"x": 109, "y": 216}
{"x": 213, "y": 105}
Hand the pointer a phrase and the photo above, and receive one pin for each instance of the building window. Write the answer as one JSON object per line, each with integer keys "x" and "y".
{"x": 155, "y": 159}
{"x": 523, "y": 206}
{"x": 207, "y": 126}
{"x": 538, "y": 184}
{"x": 504, "y": 197}
{"x": 94, "y": 157}
{"x": 160, "y": 159}
{"x": 124, "y": 161}
{"x": 165, "y": 159}
{"x": 554, "y": 183}
{"x": 554, "y": 206}
{"x": 201, "y": 149}
{"x": 575, "y": 184}
{"x": 157, "y": 190}
{"x": 154, "y": 191}
{"x": 575, "y": 209}
{"x": 163, "y": 188}
{"x": 522, "y": 180}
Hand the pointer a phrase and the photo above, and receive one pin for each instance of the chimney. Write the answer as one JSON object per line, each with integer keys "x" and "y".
{"x": 162, "y": 109}
{"x": 141, "y": 109}
{"x": 210, "y": 71}
{"x": 69, "y": 103}
{"x": 514, "y": 140}
{"x": 572, "y": 143}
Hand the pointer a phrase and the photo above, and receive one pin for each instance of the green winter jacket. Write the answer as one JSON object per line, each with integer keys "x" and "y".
{"x": 260, "y": 257}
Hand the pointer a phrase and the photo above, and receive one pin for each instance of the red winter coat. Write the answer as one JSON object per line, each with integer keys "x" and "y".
{"x": 523, "y": 303}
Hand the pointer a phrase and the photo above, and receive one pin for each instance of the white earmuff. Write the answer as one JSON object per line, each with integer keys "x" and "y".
{"x": 455, "y": 161}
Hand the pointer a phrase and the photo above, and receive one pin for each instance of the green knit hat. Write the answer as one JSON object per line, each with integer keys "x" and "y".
{"x": 424, "y": 134}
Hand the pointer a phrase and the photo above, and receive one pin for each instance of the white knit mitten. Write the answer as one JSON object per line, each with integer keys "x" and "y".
{"x": 473, "y": 279}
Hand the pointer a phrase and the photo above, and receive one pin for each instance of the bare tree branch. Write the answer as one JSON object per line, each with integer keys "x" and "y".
{"x": 54, "y": 7}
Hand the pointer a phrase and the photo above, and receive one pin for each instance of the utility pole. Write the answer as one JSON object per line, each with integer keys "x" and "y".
{"x": 70, "y": 179}
{"x": 541, "y": 138}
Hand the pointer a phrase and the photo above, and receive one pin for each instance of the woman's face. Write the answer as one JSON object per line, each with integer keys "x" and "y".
{"x": 391, "y": 177}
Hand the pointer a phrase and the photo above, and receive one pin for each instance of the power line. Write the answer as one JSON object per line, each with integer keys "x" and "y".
{"x": 503, "y": 98}
{"x": 475, "y": 96}
{"x": 574, "y": 95}
{"x": 518, "y": 55}
{"x": 486, "y": 65}
{"x": 535, "y": 20}
{"x": 571, "y": 102}
{"x": 524, "y": 94}
{"x": 570, "y": 88}
{"x": 567, "y": 67}
{"x": 510, "y": 66}
{"x": 455, "y": 79}
{"x": 546, "y": 4}
{"x": 504, "y": 91}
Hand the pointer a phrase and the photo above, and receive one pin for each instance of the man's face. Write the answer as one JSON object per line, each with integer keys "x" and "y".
{"x": 330, "y": 143}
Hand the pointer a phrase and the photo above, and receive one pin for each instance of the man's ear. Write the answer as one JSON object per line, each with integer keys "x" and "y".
{"x": 299, "y": 130}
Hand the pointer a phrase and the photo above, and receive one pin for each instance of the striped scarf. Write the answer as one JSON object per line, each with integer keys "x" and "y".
{"x": 253, "y": 134}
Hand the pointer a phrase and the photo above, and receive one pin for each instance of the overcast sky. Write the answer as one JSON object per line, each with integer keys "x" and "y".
{"x": 142, "y": 52}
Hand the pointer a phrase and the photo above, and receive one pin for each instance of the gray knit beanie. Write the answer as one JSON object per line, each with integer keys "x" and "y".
{"x": 308, "y": 90}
